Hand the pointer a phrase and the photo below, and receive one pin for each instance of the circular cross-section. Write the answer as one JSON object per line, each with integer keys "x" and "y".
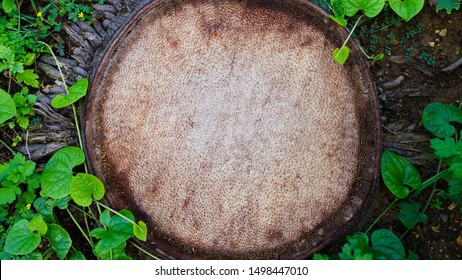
{"x": 229, "y": 128}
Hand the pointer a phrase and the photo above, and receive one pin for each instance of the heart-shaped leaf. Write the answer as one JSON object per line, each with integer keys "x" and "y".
{"x": 398, "y": 173}
{"x": 406, "y": 9}
{"x": 85, "y": 188}
{"x": 341, "y": 55}
{"x": 76, "y": 91}
{"x": 387, "y": 246}
{"x": 7, "y": 106}
{"x": 59, "y": 240}
{"x": 119, "y": 230}
{"x": 410, "y": 215}
{"x": 57, "y": 175}
{"x": 77, "y": 256}
{"x": 371, "y": 8}
{"x": 339, "y": 20}
{"x": 21, "y": 240}
{"x": 437, "y": 118}
{"x": 38, "y": 224}
{"x": 140, "y": 230}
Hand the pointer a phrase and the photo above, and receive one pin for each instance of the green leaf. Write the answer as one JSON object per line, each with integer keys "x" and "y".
{"x": 456, "y": 168}
{"x": 140, "y": 230}
{"x": 45, "y": 207}
{"x": 57, "y": 175}
{"x": 119, "y": 231}
{"x": 38, "y": 224}
{"x": 36, "y": 256}
{"x": 23, "y": 122}
{"x": 446, "y": 148}
{"x": 8, "y": 6}
{"x": 76, "y": 91}
{"x": 448, "y": 5}
{"x": 105, "y": 218}
{"x": 436, "y": 118}
{"x": 339, "y": 20}
{"x": 21, "y": 240}
{"x": 341, "y": 55}
{"x": 398, "y": 173}
{"x": 387, "y": 246}
{"x": 7, "y": 195}
{"x": 406, "y": 9}
{"x": 371, "y": 8}
{"x": 320, "y": 257}
{"x": 59, "y": 240}
{"x": 28, "y": 77}
{"x": 77, "y": 256}
{"x": 84, "y": 187}
{"x": 410, "y": 215}
{"x": 7, "y": 106}
{"x": 379, "y": 56}
{"x": 118, "y": 253}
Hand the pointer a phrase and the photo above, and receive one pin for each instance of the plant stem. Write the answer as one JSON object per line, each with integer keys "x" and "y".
{"x": 350, "y": 34}
{"x": 80, "y": 228}
{"x": 433, "y": 188}
{"x": 7, "y": 147}
{"x": 74, "y": 110}
{"x": 144, "y": 251}
{"x": 382, "y": 214}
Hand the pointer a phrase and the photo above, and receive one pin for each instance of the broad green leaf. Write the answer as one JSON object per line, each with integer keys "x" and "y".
{"x": 7, "y": 106}
{"x": 448, "y": 5}
{"x": 456, "y": 168}
{"x": 337, "y": 8}
{"x": 21, "y": 240}
{"x": 437, "y": 118}
{"x": 455, "y": 189}
{"x": 45, "y": 207}
{"x": 398, "y": 173}
{"x": 410, "y": 215}
{"x": 28, "y": 77}
{"x": 118, "y": 232}
{"x": 371, "y": 8}
{"x": 105, "y": 218}
{"x": 35, "y": 256}
{"x": 77, "y": 256}
{"x": 140, "y": 230}
{"x": 59, "y": 240}
{"x": 118, "y": 253}
{"x": 38, "y": 224}
{"x": 8, "y": 6}
{"x": 387, "y": 246}
{"x": 446, "y": 148}
{"x": 406, "y": 9}
{"x": 57, "y": 175}
{"x": 339, "y": 20}
{"x": 7, "y": 195}
{"x": 341, "y": 55}
{"x": 84, "y": 187}
{"x": 76, "y": 91}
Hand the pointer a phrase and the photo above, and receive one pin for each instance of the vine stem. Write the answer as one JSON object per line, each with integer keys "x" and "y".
{"x": 349, "y": 35}
{"x": 74, "y": 109}
{"x": 7, "y": 147}
{"x": 144, "y": 251}
{"x": 80, "y": 228}
{"x": 382, "y": 214}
